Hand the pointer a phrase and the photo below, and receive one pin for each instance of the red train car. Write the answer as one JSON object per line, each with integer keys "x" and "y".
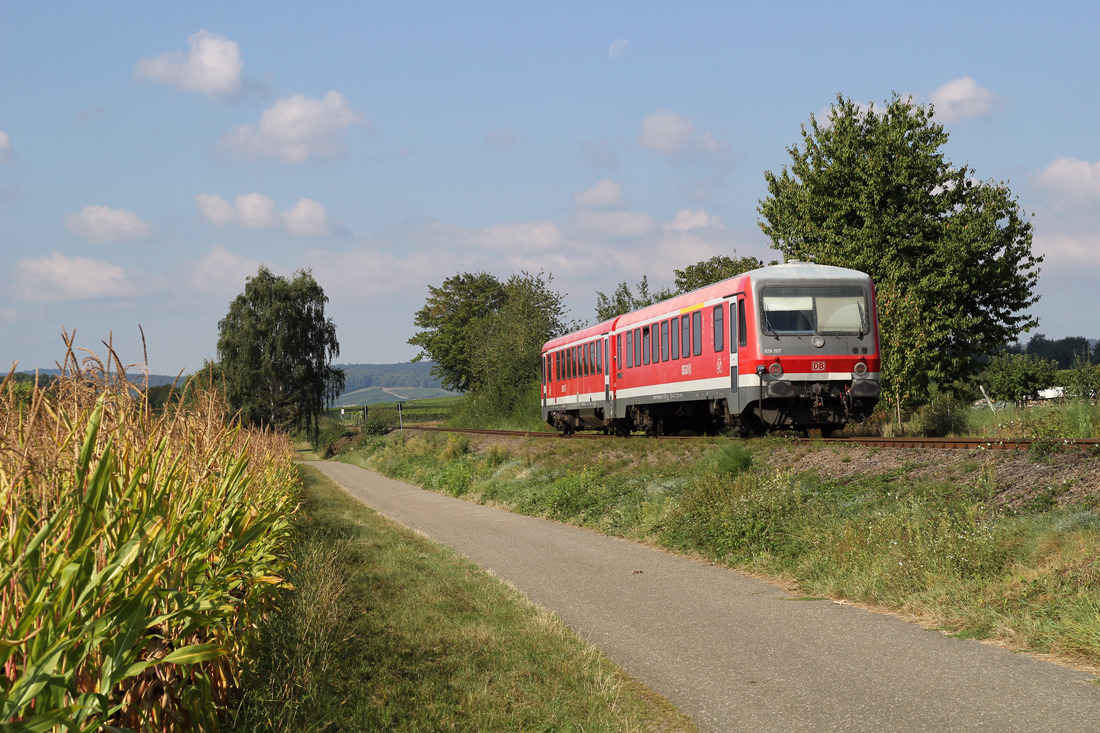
{"x": 791, "y": 346}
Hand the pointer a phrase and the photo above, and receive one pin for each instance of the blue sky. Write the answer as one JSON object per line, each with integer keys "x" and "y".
{"x": 152, "y": 155}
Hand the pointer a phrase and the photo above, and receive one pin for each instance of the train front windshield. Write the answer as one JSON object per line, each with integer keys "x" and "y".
{"x": 806, "y": 309}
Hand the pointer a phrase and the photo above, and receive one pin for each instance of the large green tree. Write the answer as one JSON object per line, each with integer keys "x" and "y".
{"x": 449, "y": 318}
{"x": 486, "y": 336}
{"x": 275, "y": 351}
{"x": 507, "y": 360}
{"x": 951, "y": 256}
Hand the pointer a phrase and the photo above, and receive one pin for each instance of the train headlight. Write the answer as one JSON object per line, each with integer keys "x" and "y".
{"x": 860, "y": 368}
{"x": 775, "y": 369}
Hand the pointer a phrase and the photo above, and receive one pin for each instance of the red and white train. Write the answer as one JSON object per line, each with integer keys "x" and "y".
{"x": 791, "y": 346}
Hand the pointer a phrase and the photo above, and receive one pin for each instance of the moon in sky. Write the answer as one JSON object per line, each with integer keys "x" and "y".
{"x": 618, "y": 48}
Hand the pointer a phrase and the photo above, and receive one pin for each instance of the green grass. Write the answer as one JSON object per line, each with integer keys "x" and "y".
{"x": 939, "y": 550}
{"x": 386, "y": 630}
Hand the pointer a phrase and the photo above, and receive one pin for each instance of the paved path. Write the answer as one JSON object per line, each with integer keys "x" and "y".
{"x": 737, "y": 654}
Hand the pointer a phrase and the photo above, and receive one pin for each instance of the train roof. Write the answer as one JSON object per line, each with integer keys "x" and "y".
{"x": 790, "y": 272}
{"x": 797, "y": 270}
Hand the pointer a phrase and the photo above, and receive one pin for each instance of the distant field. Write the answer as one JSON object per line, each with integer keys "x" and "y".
{"x": 375, "y": 395}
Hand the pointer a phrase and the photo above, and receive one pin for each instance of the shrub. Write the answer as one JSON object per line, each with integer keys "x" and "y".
{"x": 942, "y": 417}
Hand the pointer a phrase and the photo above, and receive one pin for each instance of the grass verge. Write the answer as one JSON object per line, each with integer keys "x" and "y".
{"x": 944, "y": 552}
{"x": 386, "y": 630}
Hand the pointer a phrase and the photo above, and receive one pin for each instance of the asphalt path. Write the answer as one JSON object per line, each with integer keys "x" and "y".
{"x": 736, "y": 653}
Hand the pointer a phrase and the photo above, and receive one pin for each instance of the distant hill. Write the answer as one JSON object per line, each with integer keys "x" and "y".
{"x": 404, "y": 374}
{"x": 368, "y": 384}
{"x": 155, "y": 380}
{"x": 376, "y": 395}
{"x": 364, "y": 384}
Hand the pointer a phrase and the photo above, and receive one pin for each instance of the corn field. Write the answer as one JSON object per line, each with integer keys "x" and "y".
{"x": 137, "y": 552}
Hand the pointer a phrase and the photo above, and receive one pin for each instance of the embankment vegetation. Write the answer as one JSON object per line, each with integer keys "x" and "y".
{"x": 957, "y": 549}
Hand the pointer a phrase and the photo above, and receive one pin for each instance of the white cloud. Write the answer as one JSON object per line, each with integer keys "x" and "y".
{"x": 618, "y": 48}
{"x": 666, "y": 132}
{"x": 101, "y": 224}
{"x": 5, "y": 147}
{"x": 672, "y": 134}
{"x": 1068, "y": 249}
{"x": 306, "y": 218}
{"x": 604, "y": 193}
{"x": 221, "y": 272}
{"x": 296, "y": 129}
{"x": 688, "y": 219}
{"x": 255, "y": 211}
{"x": 9, "y": 315}
{"x": 212, "y": 66}
{"x": 59, "y": 278}
{"x": 215, "y": 209}
{"x": 529, "y": 236}
{"x": 1076, "y": 180}
{"x": 962, "y": 99}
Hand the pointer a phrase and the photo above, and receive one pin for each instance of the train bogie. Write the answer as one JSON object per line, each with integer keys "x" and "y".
{"x": 791, "y": 346}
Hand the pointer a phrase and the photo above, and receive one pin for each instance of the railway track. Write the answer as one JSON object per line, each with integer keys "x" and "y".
{"x": 866, "y": 442}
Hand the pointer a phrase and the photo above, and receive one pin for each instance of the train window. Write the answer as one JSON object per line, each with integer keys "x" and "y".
{"x": 814, "y": 309}
{"x": 591, "y": 358}
{"x": 574, "y": 363}
{"x": 646, "y": 345}
{"x": 742, "y": 325}
{"x": 685, "y": 335}
{"x": 637, "y": 347}
{"x": 655, "y": 345}
{"x": 599, "y": 358}
{"x": 697, "y": 333}
{"x": 664, "y": 340}
{"x": 674, "y": 339}
{"x": 607, "y": 354}
{"x": 630, "y": 349}
{"x": 719, "y": 327}
{"x": 619, "y": 352}
{"x": 733, "y": 325}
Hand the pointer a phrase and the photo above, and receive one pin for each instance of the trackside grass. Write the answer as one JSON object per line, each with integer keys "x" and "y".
{"x": 137, "y": 552}
{"x": 386, "y": 630}
{"x": 942, "y": 551}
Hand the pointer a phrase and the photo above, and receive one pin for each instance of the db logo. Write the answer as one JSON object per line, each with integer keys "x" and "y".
{"x": 817, "y": 366}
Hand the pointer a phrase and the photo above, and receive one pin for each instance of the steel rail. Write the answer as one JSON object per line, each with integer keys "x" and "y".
{"x": 866, "y": 442}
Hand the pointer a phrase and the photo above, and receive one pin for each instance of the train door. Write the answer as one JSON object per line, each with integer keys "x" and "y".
{"x": 606, "y": 369}
{"x": 736, "y": 341}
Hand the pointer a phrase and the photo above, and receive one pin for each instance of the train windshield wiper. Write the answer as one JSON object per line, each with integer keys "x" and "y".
{"x": 768, "y": 328}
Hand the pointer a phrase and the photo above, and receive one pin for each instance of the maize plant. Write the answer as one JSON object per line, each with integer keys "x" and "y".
{"x": 136, "y": 553}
